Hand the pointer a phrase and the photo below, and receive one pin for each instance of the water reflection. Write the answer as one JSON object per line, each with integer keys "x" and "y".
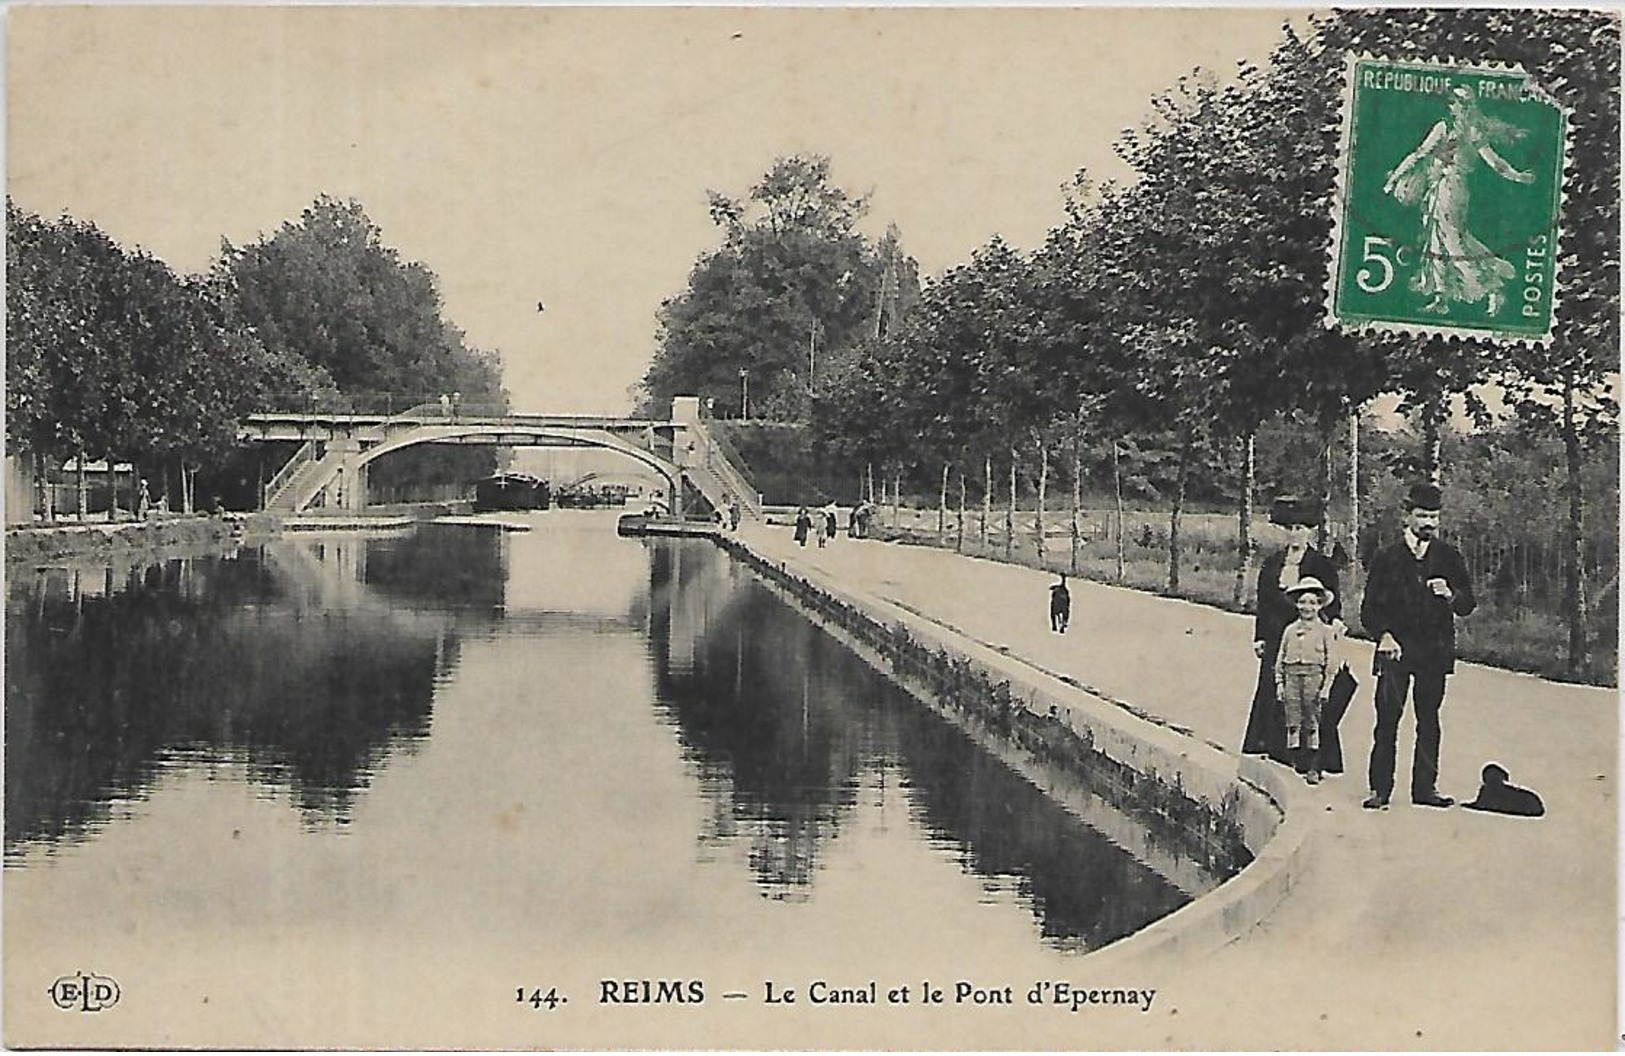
{"x": 569, "y": 668}
{"x": 295, "y": 658}
{"x": 785, "y": 726}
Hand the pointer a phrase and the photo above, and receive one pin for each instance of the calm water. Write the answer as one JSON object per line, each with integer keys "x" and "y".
{"x": 545, "y": 747}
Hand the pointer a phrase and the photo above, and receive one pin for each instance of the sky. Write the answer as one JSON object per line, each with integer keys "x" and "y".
{"x": 562, "y": 155}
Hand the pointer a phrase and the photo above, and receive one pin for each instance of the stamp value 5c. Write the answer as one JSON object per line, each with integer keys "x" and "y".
{"x": 1447, "y": 220}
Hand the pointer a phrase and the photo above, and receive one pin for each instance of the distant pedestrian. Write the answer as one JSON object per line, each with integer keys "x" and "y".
{"x": 445, "y": 405}
{"x": 852, "y": 522}
{"x": 1414, "y": 592}
{"x": 831, "y": 521}
{"x": 803, "y": 526}
{"x": 1304, "y": 666}
{"x": 456, "y": 406}
{"x": 1060, "y": 606}
{"x": 733, "y": 515}
{"x": 866, "y": 513}
{"x": 143, "y": 501}
{"x": 820, "y": 528}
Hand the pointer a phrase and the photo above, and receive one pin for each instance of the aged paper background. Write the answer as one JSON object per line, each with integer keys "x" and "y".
{"x": 563, "y": 154}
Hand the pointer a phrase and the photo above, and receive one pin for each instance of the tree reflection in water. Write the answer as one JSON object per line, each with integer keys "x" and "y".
{"x": 280, "y": 658}
{"x": 785, "y": 725}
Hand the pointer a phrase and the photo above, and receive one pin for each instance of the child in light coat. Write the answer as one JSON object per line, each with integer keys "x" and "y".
{"x": 1304, "y": 667}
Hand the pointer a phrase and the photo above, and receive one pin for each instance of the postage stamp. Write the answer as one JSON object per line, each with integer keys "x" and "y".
{"x": 1447, "y": 220}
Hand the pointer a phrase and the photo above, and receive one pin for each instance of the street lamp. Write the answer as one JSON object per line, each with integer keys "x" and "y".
{"x": 744, "y": 394}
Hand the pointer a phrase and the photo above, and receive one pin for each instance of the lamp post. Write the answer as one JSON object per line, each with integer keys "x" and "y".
{"x": 744, "y": 394}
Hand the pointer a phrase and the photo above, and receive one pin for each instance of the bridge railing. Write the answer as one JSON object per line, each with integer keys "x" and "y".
{"x": 302, "y": 457}
{"x": 719, "y": 457}
{"x": 387, "y": 404}
{"x": 735, "y": 461}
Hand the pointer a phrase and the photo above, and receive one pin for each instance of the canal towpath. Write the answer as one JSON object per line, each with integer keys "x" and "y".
{"x": 1409, "y": 928}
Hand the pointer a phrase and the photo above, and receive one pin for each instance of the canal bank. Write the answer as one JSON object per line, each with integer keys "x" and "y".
{"x": 1406, "y": 928}
{"x": 28, "y": 547}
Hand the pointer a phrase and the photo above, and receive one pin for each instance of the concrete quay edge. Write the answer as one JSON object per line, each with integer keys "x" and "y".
{"x": 1277, "y": 818}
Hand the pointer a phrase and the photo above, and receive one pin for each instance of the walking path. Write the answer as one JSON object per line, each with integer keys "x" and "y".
{"x": 1411, "y": 927}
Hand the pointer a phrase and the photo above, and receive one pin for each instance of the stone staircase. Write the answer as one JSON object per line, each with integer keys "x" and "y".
{"x": 716, "y": 472}
{"x": 297, "y": 486}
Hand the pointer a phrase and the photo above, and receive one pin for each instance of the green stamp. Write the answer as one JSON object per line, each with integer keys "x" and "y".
{"x": 1450, "y": 180}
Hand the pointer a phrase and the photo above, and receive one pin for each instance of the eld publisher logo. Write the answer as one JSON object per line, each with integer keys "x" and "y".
{"x": 84, "y": 993}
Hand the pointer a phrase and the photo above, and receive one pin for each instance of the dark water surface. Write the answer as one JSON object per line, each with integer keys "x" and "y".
{"x": 517, "y": 742}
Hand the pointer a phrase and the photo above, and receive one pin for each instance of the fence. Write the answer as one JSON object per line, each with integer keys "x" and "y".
{"x": 1519, "y": 581}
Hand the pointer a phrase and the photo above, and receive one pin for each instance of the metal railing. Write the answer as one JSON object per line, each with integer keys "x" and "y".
{"x": 284, "y": 476}
{"x": 715, "y": 459}
{"x": 388, "y": 404}
{"x": 735, "y": 460}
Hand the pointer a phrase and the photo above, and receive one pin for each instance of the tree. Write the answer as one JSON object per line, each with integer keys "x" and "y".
{"x": 788, "y": 295}
{"x": 326, "y": 290}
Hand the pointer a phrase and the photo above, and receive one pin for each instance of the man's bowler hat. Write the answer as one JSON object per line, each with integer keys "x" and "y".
{"x": 1424, "y": 496}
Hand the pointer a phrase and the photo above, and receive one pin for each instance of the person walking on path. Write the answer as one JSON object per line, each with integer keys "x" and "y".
{"x": 1304, "y": 664}
{"x": 733, "y": 515}
{"x": 803, "y": 526}
{"x": 832, "y": 522}
{"x": 1060, "y": 606}
{"x": 1296, "y": 519}
{"x": 1414, "y": 592}
{"x": 445, "y": 405}
{"x": 821, "y": 528}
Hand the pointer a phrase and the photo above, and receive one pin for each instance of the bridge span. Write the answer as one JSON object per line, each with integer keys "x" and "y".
{"x": 329, "y": 468}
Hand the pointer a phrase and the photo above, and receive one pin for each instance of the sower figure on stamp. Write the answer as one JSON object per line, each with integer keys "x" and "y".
{"x": 1414, "y": 592}
{"x": 1455, "y": 267}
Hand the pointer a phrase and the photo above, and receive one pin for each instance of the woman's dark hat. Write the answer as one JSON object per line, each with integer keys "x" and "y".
{"x": 1424, "y": 496}
{"x": 1289, "y": 511}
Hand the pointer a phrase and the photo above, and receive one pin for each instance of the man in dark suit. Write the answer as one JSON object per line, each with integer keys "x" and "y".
{"x": 1414, "y": 591}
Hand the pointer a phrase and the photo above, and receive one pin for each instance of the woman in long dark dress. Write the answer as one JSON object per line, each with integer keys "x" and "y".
{"x": 1297, "y": 520}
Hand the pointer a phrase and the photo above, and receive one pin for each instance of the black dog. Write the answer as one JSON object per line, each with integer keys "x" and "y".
{"x": 1497, "y": 796}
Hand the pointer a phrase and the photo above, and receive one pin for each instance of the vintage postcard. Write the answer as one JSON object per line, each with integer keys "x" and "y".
{"x": 826, "y": 528}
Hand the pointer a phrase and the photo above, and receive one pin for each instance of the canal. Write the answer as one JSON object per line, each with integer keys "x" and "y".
{"x": 396, "y": 782}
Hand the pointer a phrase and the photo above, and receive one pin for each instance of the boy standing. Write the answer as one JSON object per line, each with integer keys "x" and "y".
{"x": 1303, "y": 673}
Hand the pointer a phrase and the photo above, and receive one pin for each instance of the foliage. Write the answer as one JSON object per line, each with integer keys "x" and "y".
{"x": 110, "y": 352}
{"x": 325, "y": 288}
{"x": 788, "y": 295}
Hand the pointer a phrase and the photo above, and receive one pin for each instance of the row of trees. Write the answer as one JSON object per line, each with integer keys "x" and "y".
{"x": 1170, "y": 319}
{"x": 112, "y": 354}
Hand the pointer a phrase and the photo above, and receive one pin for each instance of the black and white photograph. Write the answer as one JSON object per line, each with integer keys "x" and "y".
{"x": 741, "y": 528}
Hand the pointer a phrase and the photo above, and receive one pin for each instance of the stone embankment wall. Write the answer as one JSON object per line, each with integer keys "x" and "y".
{"x": 30, "y": 547}
{"x": 1184, "y": 799}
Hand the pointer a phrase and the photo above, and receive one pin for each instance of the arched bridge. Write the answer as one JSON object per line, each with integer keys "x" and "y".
{"x": 330, "y": 466}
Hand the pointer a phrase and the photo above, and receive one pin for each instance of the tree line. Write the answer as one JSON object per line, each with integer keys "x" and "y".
{"x": 112, "y": 354}
{"x": 1169, "y": 321}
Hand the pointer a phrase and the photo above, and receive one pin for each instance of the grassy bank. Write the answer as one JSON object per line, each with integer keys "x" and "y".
{"x": 33, "y": 546}
{"x": 1511, "y": 636}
